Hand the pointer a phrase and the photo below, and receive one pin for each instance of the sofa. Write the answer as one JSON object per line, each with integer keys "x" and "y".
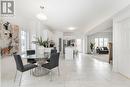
{"x": 102, "y": 50}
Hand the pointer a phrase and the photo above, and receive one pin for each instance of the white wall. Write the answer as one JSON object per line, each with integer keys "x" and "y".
{"x": 121, "y": 42}
{"x": 56, "y": 36}
{"x": 91, "y": 38}
{"x": 85, "y": 45}
{"x": 44, "y": 31}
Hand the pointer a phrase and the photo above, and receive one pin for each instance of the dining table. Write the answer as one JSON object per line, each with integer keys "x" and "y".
{"x": 40, "y": 60}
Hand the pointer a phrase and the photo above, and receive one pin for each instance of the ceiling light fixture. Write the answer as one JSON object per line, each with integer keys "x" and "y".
{"x": 71, "y": 28}
{"x": 41, "y": 15}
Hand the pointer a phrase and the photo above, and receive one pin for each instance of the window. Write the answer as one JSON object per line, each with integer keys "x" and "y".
{"x": 23, "y": 41}
{"x": 105, "y": 42}
{"x": 101, "y": 42}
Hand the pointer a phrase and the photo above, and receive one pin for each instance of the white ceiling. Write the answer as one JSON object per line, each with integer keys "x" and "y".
{"x": 105, "y": 26}
{"x": 82, "y": 14}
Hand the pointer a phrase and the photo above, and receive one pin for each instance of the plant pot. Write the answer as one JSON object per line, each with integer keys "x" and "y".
{"x": 92, "y": 51}
{"x": 40, "y": 51}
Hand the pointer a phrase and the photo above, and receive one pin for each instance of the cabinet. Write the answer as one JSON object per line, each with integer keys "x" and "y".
{"x": 69, "y": 53}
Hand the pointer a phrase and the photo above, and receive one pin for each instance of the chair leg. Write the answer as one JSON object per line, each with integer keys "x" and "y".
{"x": 20, "y": 80}
{"x": 34, "y": 71}
{"x": 30, "y": 72}
{"x": 58, "y": 70}
{"x": 51, "y": 75}
{"x": 15, "y": 76}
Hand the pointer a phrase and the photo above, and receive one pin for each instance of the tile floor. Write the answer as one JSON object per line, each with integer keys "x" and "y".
{"x": 101, "y": 57}
{"x": 83, "y": 71}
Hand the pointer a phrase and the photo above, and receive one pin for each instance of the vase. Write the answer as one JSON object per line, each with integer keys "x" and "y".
{"x": 40, "y": 51}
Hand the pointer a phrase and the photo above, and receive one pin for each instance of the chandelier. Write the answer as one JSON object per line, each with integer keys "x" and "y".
{"x": 41, "y": 15}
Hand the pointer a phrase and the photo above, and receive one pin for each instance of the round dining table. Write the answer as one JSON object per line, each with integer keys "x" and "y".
{"x": 40, "y": 60}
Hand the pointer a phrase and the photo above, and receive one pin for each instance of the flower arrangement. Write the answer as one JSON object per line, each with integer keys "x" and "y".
{"x": 45, "y": 43}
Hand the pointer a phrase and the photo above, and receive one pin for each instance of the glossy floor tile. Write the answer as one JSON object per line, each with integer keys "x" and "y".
{"x": 82, "y": 71}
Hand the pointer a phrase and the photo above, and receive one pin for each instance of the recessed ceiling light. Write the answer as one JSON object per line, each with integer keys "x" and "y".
{"x": 71, "y": 28}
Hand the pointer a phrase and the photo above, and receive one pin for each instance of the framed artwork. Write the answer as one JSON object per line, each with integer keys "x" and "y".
{"x": 9, "y": 38}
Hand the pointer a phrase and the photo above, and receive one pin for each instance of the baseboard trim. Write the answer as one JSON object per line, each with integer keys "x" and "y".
{"x": 124, "y": 76}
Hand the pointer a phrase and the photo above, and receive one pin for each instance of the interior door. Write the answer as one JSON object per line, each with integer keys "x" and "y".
{"x": 124, "y": 47}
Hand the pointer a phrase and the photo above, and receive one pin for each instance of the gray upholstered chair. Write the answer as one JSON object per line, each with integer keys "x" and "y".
{"x": 54, "y": 62}
{"x": 20, "y": 67}
{"x": 52, "y": 51}
{"x": 31, "y": 52}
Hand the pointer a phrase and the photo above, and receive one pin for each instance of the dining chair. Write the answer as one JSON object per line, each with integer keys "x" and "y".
{"x": 31, "y": 52}
{"x": 20, "y": 67}
{"x": 52, "y": 51}
{"x": 54, "y": 62}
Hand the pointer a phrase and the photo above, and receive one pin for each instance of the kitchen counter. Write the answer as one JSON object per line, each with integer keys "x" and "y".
{"x": 69, "y": 53}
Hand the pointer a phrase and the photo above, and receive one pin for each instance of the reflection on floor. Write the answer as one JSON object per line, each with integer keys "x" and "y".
{"x": 83, "y": 71}
{"x": 101, "y": 57}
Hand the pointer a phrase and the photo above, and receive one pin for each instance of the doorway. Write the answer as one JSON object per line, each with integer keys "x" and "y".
{"x": 79, "y": 45}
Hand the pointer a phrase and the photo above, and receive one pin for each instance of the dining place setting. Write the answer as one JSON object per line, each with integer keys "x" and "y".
{"x": 38, "y": 64}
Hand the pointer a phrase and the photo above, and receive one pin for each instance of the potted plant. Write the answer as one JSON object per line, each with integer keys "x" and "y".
{"x": 39, "y": 41}
{"x": 92, "y": 45}
{"x": 40, "y": 45}
{"x": 46, "y": 43}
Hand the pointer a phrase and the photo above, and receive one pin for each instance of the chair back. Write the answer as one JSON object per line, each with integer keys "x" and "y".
{"x": 53, "y": 51}
{"x": 19, "y": 63}
{"x": 54, "y": 60}
{"x": 30, "y": 52}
